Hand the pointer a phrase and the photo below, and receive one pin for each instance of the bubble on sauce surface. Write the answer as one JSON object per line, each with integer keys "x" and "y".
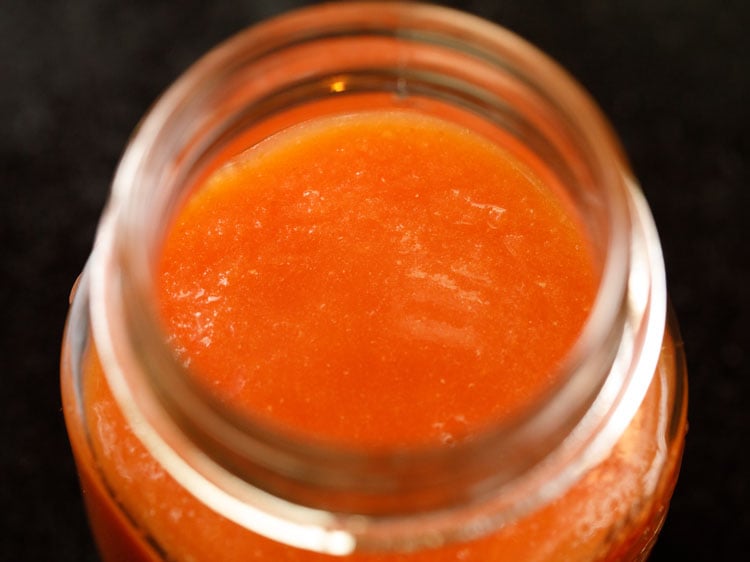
{"x": 451, "y": 430}
{"x": 472, "y": 271}
{"x": 492, "y": 213}
{"x": 409, "y": 243}
{"x": 439, "y": 331}
{"x": 444, "y": 281}
{"x": 513, "y": 243}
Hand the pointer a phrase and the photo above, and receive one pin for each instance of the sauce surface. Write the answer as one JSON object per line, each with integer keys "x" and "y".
{"x": 375, "y": 279}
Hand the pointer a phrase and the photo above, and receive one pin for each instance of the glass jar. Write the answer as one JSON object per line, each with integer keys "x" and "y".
{"x": 168, "y": 474}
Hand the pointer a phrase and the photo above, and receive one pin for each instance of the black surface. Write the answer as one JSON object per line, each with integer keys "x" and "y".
{"x": 75, "y": 77}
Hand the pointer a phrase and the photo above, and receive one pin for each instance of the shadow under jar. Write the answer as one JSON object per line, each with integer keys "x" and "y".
{"x": 579, "y": 465}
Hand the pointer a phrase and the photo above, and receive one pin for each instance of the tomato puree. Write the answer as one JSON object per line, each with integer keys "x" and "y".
{"x": 342, "y": 272}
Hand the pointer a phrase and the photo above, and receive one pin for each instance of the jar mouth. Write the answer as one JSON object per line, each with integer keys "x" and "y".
{"x": 259, "y": 476}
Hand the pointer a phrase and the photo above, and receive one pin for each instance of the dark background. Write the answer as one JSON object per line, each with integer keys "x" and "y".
{"x": 75, "y": 76}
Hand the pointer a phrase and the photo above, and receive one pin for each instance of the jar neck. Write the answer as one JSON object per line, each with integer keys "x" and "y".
{"x": 363, "y": 57}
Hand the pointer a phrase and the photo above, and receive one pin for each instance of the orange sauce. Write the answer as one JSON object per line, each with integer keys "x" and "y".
{"x": 338, "y": 274}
